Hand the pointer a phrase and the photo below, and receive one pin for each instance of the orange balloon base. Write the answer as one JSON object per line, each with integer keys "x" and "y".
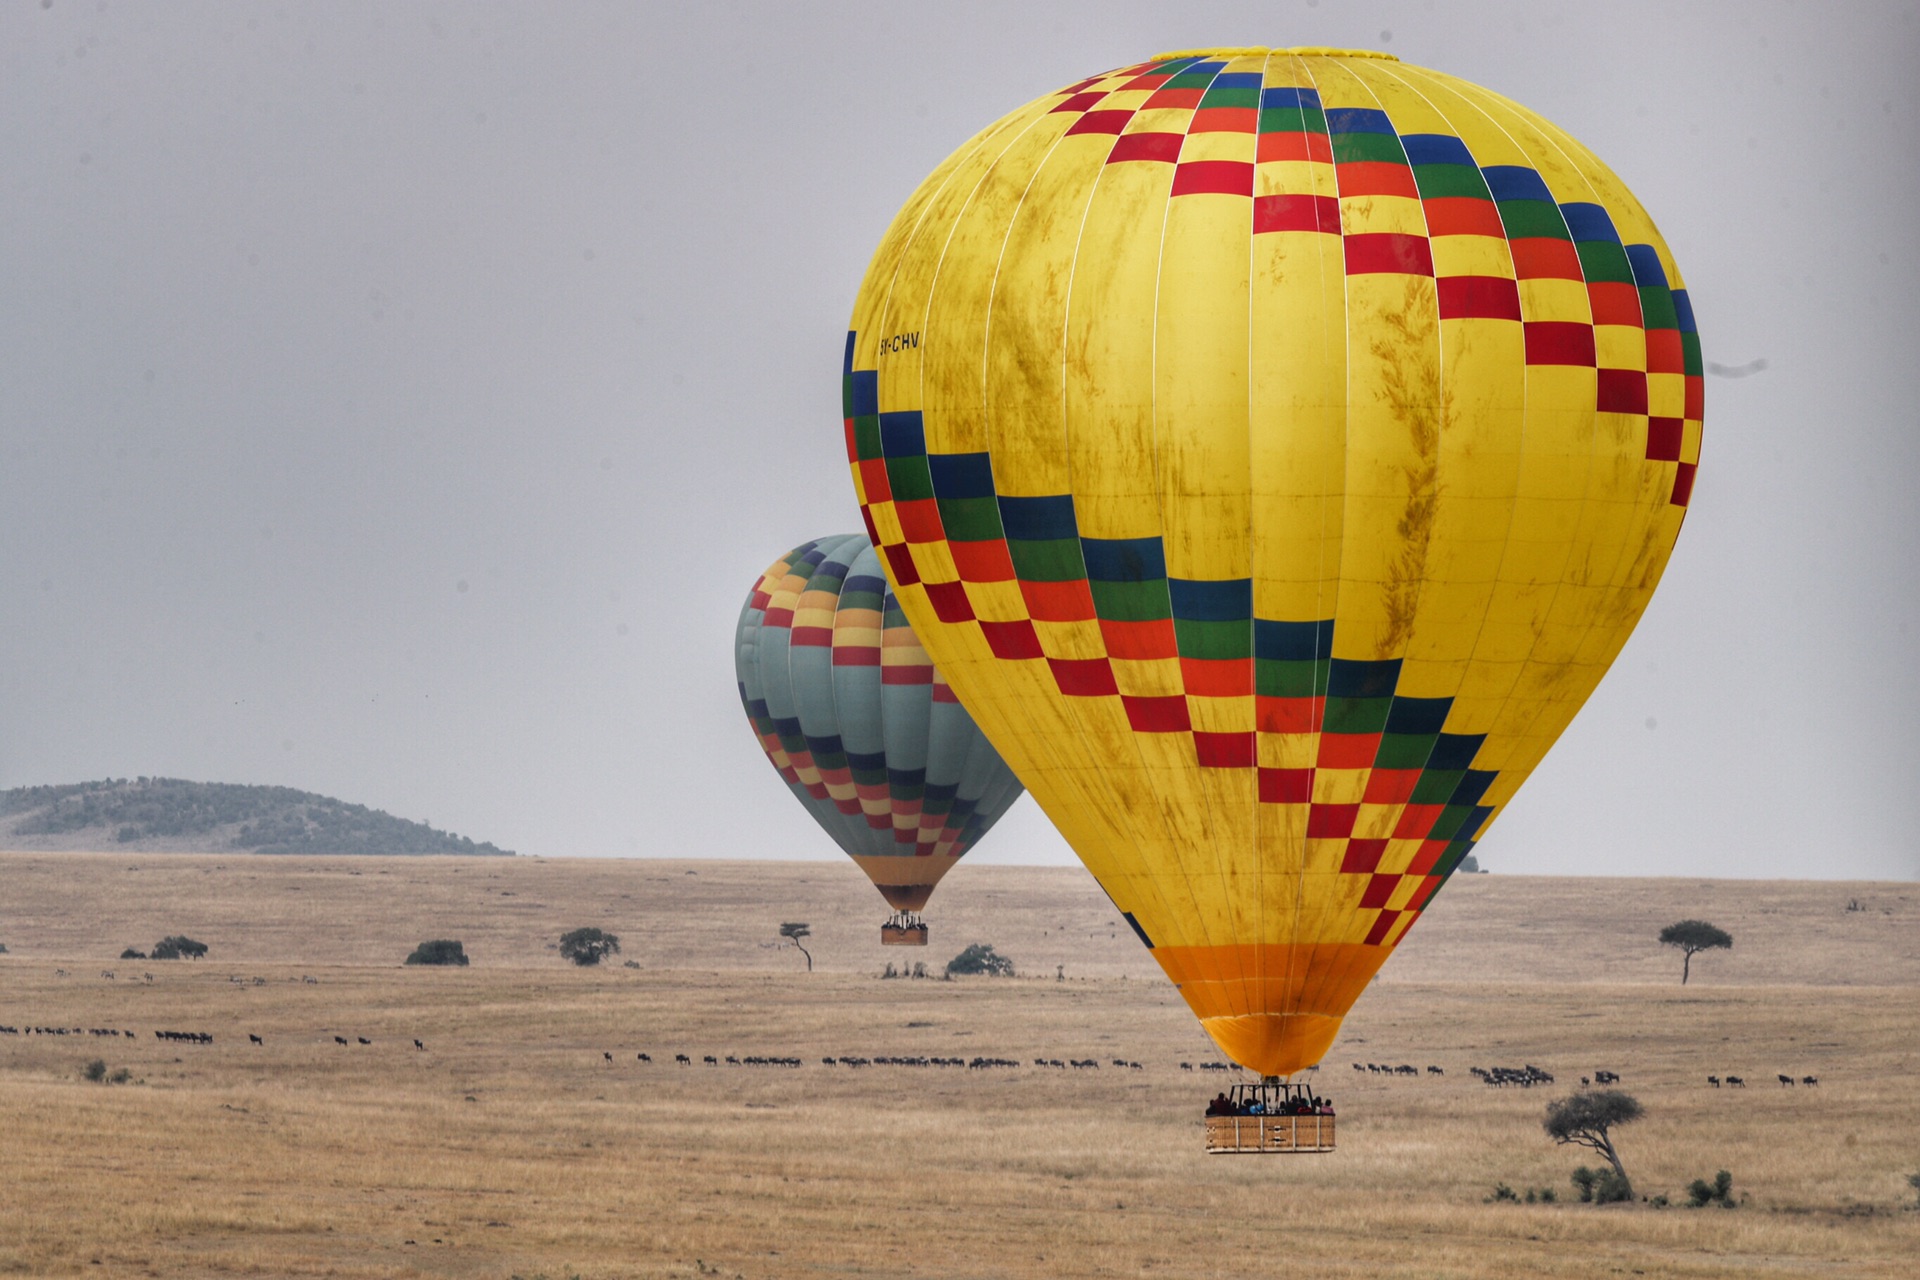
{"x": 905, "y": 882}
{"x": 1274, "y": 1044}
{"x": 1274, "y": 1008}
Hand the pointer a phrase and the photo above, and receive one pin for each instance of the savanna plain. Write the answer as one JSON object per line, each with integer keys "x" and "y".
{"x": 527, "y": 1137}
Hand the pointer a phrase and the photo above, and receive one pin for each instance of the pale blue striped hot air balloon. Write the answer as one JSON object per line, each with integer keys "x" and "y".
{"x": 860, "y": 725}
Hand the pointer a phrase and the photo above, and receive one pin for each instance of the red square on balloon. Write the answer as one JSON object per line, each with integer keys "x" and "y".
{"x": 1224, "y": 750}
{"x": 1157, "y": 715}
{"x": 985, "y": 561}
{"x": 1390, "y": 786}
{"x": 1140, "y": 641}
{"x": 1058, "y": 601}
{"x": 1286, "y": 786}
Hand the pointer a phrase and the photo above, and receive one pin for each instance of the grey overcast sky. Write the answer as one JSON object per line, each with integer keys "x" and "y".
{"x": 398, "y": 399}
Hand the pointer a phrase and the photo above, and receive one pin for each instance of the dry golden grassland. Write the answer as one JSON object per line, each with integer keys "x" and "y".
{"x": 511, "y": 1145}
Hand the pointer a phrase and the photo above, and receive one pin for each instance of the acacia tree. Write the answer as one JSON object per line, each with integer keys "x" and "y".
{"x": 1691, "y": 936}
{"x": 1586, "y": 1120}
{"x": 793, "y": 931}
{"x": 588, "y": 946}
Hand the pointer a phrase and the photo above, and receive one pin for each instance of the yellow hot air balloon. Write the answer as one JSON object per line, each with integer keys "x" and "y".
{"x": 1273, "y": 448}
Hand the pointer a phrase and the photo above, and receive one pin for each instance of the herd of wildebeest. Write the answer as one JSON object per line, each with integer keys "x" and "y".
{"x": 1522, "y": 1077}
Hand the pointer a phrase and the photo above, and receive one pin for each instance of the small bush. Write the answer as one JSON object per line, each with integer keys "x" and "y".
{"x": 1610, "y": 1188}
{"x": 178, "y": 947}
{"x": 919, "y": 970}
{"x": 439, "y": 951}
{"x": 1701, "y": 1193}
{"x": 980, "y": 958}
{"x": 120, "y": 1076}
{"x": 96, "y": 1070}
{"x": 588, "y": 946}
{"x": 1501, "y": 1191}
{"x": 1600, "y": 1186}
{"x": 133, "y": 953}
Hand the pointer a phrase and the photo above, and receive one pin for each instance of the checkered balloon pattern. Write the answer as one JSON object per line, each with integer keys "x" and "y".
{"x": 859, "y": 724}
{"x": 1274, "y": 448}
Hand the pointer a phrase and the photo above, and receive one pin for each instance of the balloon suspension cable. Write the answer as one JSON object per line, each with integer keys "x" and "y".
{"x": 905, "y": 920}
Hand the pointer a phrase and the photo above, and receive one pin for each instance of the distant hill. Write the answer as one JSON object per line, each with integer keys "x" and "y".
{"x": 171, "y": 815}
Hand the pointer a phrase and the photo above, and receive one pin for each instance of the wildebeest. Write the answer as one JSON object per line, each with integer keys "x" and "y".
{"x": 1525, "y": 1077}
{"x": 1714, "y": 1081}
{"x": 683, "y": 1059}
{"x": 607, "y": 1056}
{"x": 363, "y": 1040}
{"x": 1809, "y": 1079}
{"x": 339, "y": 1039}
{"x": 645, "y": 1058}
{"x": 1435, "y": 1071}
{"x": 1736, "y": 1082}
{"x": 256, "y": 1039}
{"x": 1785, "y": 1081}
{"x": 418, "y": 1045}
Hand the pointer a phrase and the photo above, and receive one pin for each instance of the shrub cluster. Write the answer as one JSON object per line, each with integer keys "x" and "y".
{"x": 177, "y": 947}
{"x": 588, "y": 946}
{"x": 1701, "y": 1193}
{"x": 980, "y": 958}
{"x": 96, "y": 1071}
{"x": 919, "y": 970}
{"x": 1601, "y": 1186}
{"x": 439, "y": 951}
{"x": 1532, "y": 1195}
